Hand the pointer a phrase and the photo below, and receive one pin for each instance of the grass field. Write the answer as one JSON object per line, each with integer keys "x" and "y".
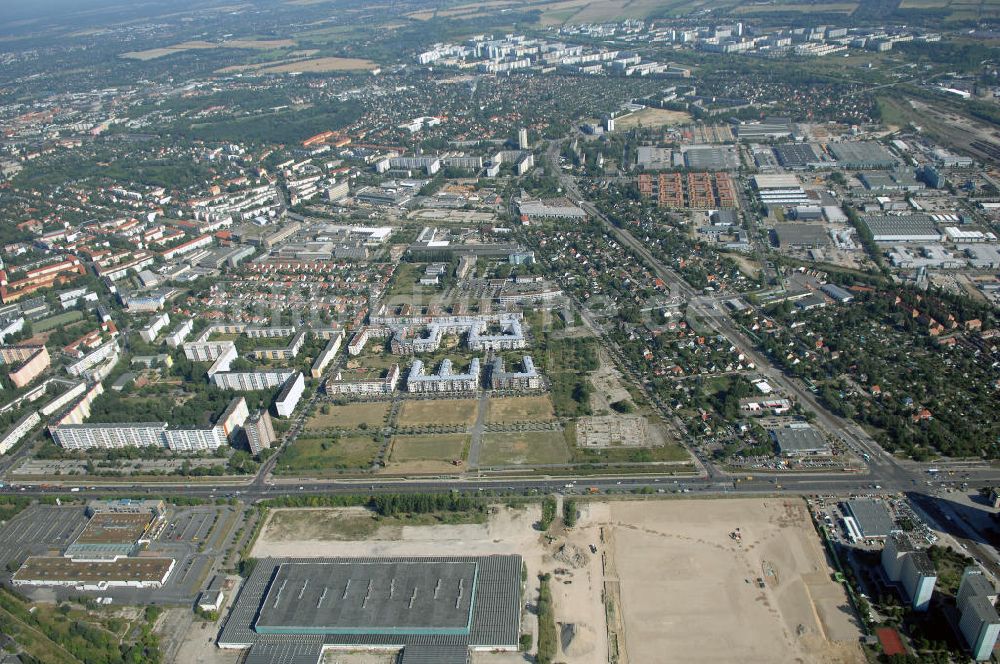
{"x": 527, "y": 448}
{"x": 322, "y": 65}
{"x": 53, "y": 322}
{"x": 653, "y": 117}
{"x": 443, "y": 447}
{"x": 521, "y": 409}
{"x": 317, "y": 456}
{"x": 350, "y": 416}
{"x": 444, "y": 412}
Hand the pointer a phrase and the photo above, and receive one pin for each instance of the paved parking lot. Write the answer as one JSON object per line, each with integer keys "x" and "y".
{"x": 189, "y": 525}
{"x": 193, "y": 536}
{"x": 38, "y": 529}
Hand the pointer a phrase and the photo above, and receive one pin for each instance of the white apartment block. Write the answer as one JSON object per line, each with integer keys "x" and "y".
{"x": 290, "y": 395}
{"x": 287, "y": 353}
{"x": 206, "y": 351}
{"x": 151, "y": 331}
{"x": 19, "y": 431}
{"x": 251, "y": 381}
{"x": 385, "y": 385}
{"x": 444, "y": 380}
{"x": 180, "y": 333}
{"x": 327, "y": 356}
{"x": 102, "y": 353}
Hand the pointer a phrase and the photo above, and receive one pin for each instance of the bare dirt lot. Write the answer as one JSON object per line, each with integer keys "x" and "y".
{"x": 706, "y": 604}
{"x": 322, "y": 65}
{"x": 521, "y": 409}
{"x": 255, "y": 44}
{"x": 349, "y": 416}
{"x": 437, "y": 412}
{"x": 652, "y": 117}
{"x": 681, "y": 589}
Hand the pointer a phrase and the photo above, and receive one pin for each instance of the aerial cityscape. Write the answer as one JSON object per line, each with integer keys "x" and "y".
{"x": 554, "y": 331}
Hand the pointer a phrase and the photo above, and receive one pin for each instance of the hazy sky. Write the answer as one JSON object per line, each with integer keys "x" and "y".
{"x": 29, "y": 9}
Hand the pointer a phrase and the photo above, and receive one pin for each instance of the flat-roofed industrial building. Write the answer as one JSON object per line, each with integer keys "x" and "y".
{"x": 872, "y": 518}
{"x": 434, "y": 609}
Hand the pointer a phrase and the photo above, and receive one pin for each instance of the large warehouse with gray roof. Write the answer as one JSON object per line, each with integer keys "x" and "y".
{"x": 434, "y": 609}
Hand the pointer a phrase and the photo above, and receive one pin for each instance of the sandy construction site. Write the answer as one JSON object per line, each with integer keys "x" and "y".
{"x": 689, "y": 589}
{"x": 679, "y": 586}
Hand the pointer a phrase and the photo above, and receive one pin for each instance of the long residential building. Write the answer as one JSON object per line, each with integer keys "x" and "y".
{"x": 287, "y": 353}
{"x": 444, "y": 380}
{"x": 102, "y": 353}
{"x": 290, "y": 395}
{"x": 509, "y": 334}
{"x": 19, "y": 430}
{"x": 327, "y": 355}
{"x": 28, "y": 362}
{"x": 527, "y": 379}
{"x": 251, "y": 381}
{"x": 180, "y": 333}
{"x": 151, "y": 331}
{"x": 207, "y": 351}
{"x": 151, "y": 434}
{"x": 374, "y": 386}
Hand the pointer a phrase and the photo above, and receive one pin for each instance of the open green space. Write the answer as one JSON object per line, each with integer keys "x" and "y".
{"x": 328, "y": 454}
{"x": 567, "y": 362}
{"x": 521, "y": 409}
{"x": 664, "y": 453}
{"x": 59, "y": 320}
{"x": 67, "y": 634}
{"x": 437, "y": 412}
{"x": 439, "y": 447}
{"x": 349, "y": 416}
{"x": 524, "y": 448}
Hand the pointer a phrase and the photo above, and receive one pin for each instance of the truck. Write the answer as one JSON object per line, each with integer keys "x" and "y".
{"x": 593, "y": 489}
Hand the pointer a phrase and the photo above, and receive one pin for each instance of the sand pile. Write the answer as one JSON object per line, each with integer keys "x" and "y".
{"x": 571, "y": 555}
{"x": 577, "y": 639}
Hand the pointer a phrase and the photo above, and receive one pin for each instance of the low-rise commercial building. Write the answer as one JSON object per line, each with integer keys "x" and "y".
{"x": 57, "y": 571}
{"x": 797, "y": 441}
